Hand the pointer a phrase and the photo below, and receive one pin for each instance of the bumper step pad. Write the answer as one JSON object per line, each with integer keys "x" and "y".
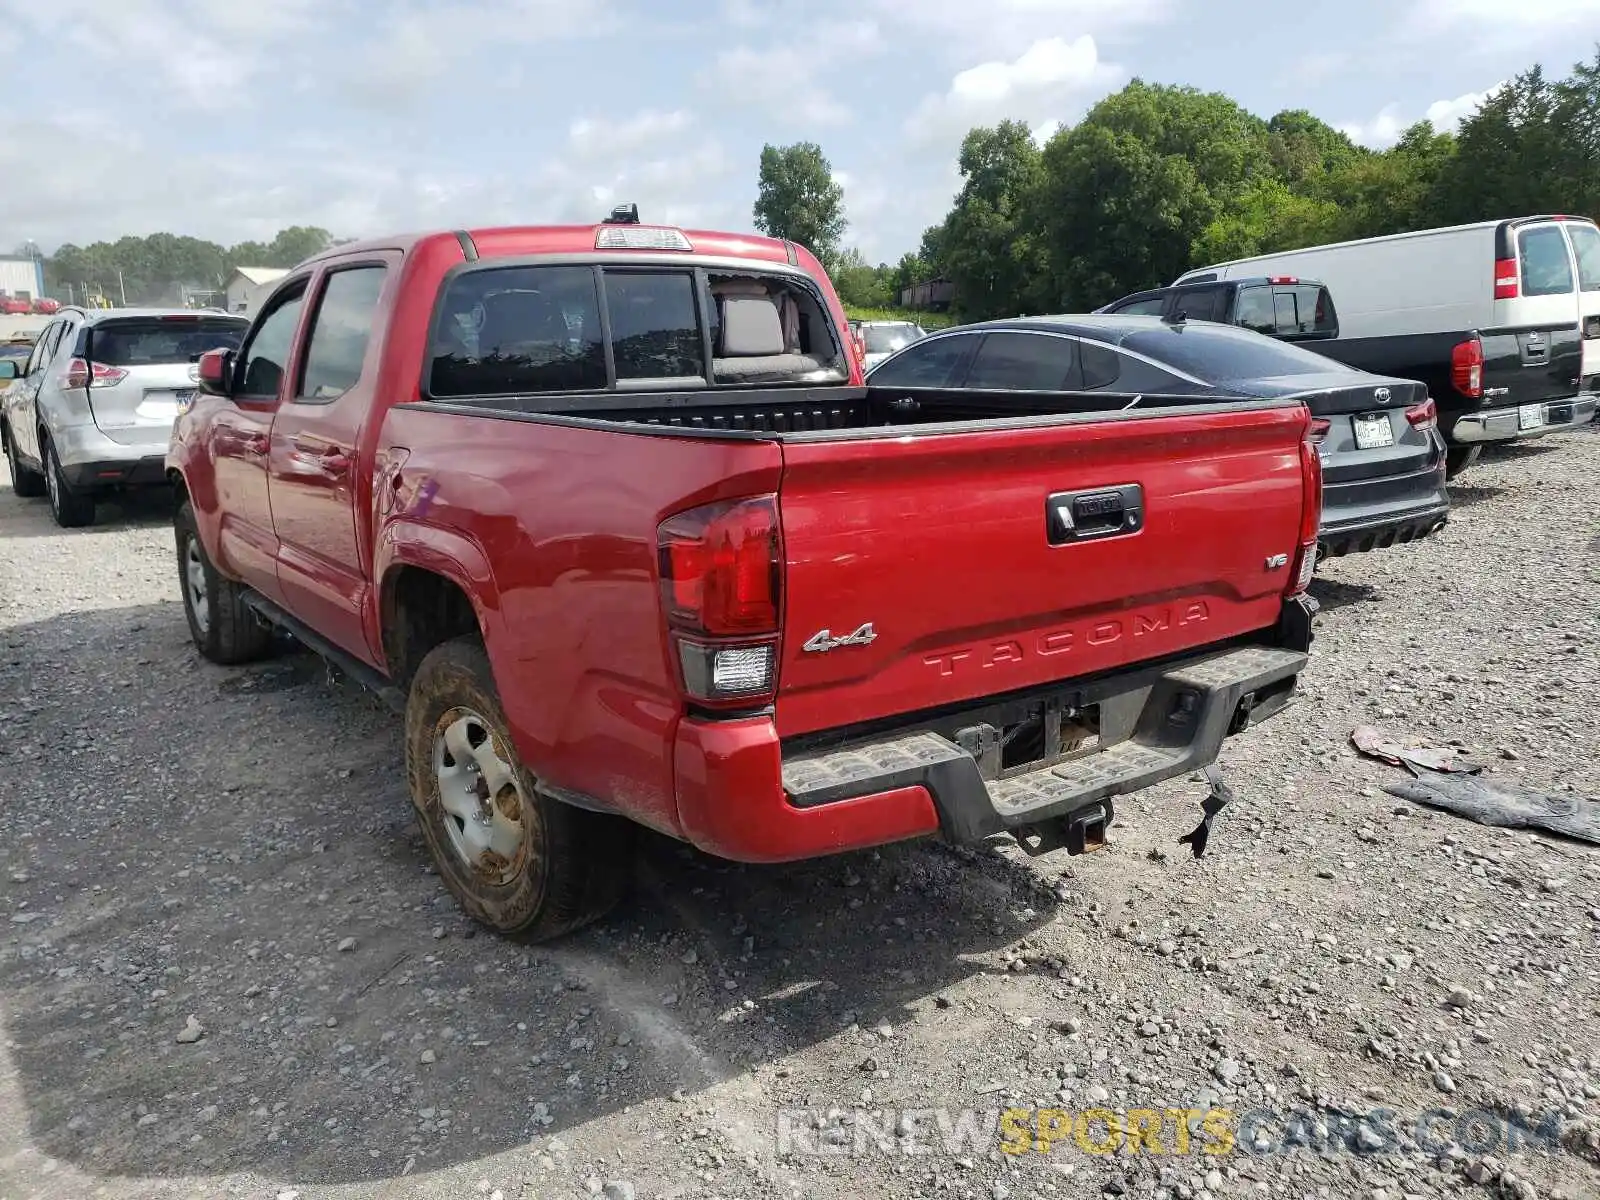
{"x": 1167, "y": 723}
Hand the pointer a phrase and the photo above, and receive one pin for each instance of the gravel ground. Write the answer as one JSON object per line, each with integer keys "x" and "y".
{"x": 227, "y": 970}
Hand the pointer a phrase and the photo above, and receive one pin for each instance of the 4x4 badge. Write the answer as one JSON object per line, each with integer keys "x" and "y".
{"x": 823, "y": 640}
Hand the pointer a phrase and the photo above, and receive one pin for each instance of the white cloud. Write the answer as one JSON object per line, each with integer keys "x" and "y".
{"x": 592, "y": 136}
{"x": 786, "y": 81}
{"x": 1384, "y": 130}
{"x": 1002, "y": 27}
{"x": 1050, "y": 77}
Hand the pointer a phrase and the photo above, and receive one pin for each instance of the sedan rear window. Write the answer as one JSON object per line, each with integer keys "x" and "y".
{"x": 161, "y": 341}
{"x": 1218, "y": 353}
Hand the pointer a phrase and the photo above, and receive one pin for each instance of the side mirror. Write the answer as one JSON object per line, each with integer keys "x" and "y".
{"x": 215, "y": 375}
{"x": 10, "y": 369}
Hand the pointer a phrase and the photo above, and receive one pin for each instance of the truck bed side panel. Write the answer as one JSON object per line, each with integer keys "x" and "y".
{"x": 940, "y": 542}
{"x": 567, "y": 518}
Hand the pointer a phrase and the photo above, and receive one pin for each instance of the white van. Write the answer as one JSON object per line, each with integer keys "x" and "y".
{"x": 1529, "y": 287}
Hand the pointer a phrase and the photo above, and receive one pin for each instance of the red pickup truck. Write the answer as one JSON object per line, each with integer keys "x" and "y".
{"x": 608, "y": 513}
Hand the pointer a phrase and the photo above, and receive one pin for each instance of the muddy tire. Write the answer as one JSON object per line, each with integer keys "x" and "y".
{"x": 1458, "y": 458}
{"x": 224, "y": 628}
{"x": 514, "y": 858}
{"x": 71, "y": 509}
{"x": 25, "y": 481}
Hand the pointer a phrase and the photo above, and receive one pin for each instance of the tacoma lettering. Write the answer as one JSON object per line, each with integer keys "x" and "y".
{"x": 1062, "y": 641}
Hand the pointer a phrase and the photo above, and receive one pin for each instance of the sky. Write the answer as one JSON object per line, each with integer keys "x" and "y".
{"x": 230, "y": 119}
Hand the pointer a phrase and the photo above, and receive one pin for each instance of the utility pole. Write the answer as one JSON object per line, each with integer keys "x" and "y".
{"x": 123, "y": 288}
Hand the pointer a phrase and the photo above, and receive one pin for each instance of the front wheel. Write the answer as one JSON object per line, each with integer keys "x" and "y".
{"x": 71, "y": 509}
{"x": 515, "y": 859}
{"x": 1458, "y": 458}
{"x": 222, "y": 625}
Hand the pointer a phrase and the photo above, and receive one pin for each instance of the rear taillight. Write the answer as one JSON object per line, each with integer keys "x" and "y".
{"x": 1466, "y": 368}
{"x": 1305, "y": 559}
{"x": 86, "y": 374}
{"x": 1423, "y": 416}
{"x": 721, "y": 573}
{"x": 1506, "y": 286}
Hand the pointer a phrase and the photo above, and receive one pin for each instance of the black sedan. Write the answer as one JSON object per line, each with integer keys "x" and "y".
{"x": 1383, "y": 460}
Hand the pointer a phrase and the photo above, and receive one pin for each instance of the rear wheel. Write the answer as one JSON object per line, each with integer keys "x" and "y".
{"x": 513, "y": 857}
{"x": 25, "y": 481}
{"x": 72, "y": 509}
{"x": 222, "y": 625}
{"x": 1458, "y": 458}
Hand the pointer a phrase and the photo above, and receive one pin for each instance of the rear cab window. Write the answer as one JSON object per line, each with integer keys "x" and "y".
{"x": 1286, "y": 310}
{"x": 505, "y": 330}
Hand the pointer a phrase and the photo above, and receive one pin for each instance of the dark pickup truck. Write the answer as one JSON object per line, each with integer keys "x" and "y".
{"x": 608, "y": 513}
{"x": 1485, "y": 385}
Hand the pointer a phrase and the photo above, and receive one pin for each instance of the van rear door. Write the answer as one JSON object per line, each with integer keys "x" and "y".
{"x": 1534, "y": 352}
{"x": 1585, "y": 238}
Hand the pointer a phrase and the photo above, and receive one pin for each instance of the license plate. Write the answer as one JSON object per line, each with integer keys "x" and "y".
{"x": 184, "y": 398}
{"x": 1373, "y": 431}
{"x": 1530, "y": 416}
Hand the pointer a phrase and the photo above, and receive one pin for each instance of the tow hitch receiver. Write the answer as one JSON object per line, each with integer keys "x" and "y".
{"x": 1082, "y": 831}
{"x": 1211, "y": 807}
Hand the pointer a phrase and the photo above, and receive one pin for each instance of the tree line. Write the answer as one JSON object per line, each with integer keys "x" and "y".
{"x": 1157, "y": 179}
{"x": 165, "y": 268}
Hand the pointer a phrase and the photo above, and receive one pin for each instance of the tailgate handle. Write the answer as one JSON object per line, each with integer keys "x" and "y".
{"x": 1072, "y": 517}
{"x": 1535, "y": 348}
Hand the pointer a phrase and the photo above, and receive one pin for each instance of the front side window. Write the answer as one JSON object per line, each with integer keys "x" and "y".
{"x": 655, "y": 330}
{"x": 1022, "y": 362}
{"x": 340, "y": 331}
{"x": 930, "y": 363}
{"x": 267, "y": 356}
{"x": 1586, "y": 245}
{"x": 1546, "y": 266}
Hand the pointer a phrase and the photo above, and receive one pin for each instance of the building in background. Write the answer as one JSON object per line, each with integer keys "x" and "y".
{"x": 21, "y": 278}
{"x": 932, "y": 296}
{"x": 248, "y": 286}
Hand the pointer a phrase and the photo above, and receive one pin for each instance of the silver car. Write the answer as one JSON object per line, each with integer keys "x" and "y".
{"x": 883, "y": 338}
{"x": 92, "y": 407}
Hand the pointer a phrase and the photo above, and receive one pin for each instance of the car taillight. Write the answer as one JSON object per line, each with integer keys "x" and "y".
{"x": 1506, "y": 286}
{"x": 86, "y": 374}
{"x": 1466, "y": 368}
{"x": 1424, "y": 415}
{"x": 721, "y": 573}
{"x": 1305, "y": 559}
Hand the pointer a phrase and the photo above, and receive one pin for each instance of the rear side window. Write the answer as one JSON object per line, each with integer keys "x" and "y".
{"x": 1546, "y": 266}
{"x": 1586, "y": 245}
{"x": 1216, "y": 353}
{"x": 161, "y": 342}
{"x": 1105, "y": 369}
{"x": 930, "y": 363}
{"x": 1022, "y": 362}
{"x": 340, "y": 332}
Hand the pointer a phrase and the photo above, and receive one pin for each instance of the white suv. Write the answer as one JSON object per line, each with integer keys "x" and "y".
{"x": 92, "y": 407}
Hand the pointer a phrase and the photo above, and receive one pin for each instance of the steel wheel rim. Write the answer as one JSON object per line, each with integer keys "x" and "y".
{"x": 194, "y": 586}
{"x": 481, "y": 804}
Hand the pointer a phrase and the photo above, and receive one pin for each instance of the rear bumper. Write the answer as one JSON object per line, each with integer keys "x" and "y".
{"x": 90, "y": 459}
{"x": 1507, "y": 424}
{"x": 740, "y": 797}
{"x": 1377, "y": 513}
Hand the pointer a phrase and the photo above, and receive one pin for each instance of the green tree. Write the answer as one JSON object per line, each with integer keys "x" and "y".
{"x": 1264, "y": 218}
{"x": 862, "y": 285}
{"x": 1129, "y": 192}
{"x": 987, "y": 246}
{"x": 1396, "y": 191}
{"x": 1306, "y": 150}
{"x": 797, "y": 198}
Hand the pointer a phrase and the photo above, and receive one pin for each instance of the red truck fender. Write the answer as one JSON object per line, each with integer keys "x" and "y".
{"x": 403, "y": 542}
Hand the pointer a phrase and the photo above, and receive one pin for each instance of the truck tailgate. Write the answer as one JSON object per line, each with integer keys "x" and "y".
{"x": 935, "y": 567}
